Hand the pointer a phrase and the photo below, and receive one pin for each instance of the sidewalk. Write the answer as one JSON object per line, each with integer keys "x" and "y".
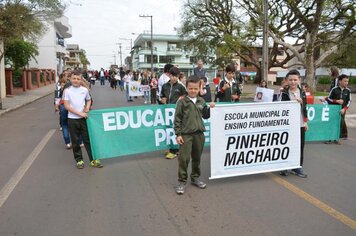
{"x": 17, "y": 101}
{"x": 22, "y": 99}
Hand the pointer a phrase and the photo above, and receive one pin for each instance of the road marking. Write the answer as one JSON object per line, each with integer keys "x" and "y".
{"x": 314, "y": 201}
{"x": 21, "y": 171}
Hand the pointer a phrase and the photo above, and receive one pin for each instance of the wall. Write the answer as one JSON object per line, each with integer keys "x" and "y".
{"x": 47, "y": 51}
{"x": 2, "y": 72}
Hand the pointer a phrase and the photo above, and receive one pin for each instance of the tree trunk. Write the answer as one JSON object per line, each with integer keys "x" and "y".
{"x": 310, "y": 75}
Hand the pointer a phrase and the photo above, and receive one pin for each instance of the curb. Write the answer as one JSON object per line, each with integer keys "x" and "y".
{"x": 2, "y": 112}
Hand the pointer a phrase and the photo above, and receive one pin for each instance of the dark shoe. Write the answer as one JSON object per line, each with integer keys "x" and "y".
{"x": 299, "y": 172}
{"x": 284, "y": 173}
{"x": 198, "y": 183}
{"x": 337, "y": 142}
{"x": 180, "y": 187}
{"x": 328, "y": 142}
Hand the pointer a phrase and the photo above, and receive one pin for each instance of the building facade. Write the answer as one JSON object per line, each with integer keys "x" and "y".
{"x": 166, "y": 49}
{"x": 73, "y": 61}
{"x": 52, "y": 46}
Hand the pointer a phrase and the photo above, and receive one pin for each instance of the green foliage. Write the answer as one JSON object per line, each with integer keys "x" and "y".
{"x": 83, "y": 58}
{"x": 19, "y": 53}
{"x": 345, "y": 56}
{"x": 17, "y": 77}
{"x": 21, "y": 19}
{"x": 17, "y": 21}
{"x": 352, "y": 80}
{"x": 324, "y": 80}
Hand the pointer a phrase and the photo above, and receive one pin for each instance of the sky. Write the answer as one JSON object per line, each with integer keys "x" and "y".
{"x": 97, "y": 25}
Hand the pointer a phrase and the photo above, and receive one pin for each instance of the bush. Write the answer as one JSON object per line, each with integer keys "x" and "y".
{"x": 17, "y": 78}
{"x": 352, "y": 80}
{"x": 324, "y": 80}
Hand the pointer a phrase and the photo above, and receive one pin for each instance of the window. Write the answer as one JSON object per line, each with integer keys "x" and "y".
{"x": 166, "y": 59}
{"x": 148, "y": 59}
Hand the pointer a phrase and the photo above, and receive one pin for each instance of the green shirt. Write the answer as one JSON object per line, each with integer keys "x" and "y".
{"x": 188, "y": 116}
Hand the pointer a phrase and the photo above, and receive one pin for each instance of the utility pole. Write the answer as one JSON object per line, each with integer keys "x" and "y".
{"x": 265, "y": 42}
{"x": 130, "y": 39}
{"x": 120, "y": 53}
{"x": 151, "y": 40}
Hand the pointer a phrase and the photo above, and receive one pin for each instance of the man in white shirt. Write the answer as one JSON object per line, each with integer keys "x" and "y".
{"x": 77, "y": 101}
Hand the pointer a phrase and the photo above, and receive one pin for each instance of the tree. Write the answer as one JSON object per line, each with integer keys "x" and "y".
{"x": 19, "y": 53}
{"x": 83, "y": 58}
{"x": 24, "y": 18}
{"x": 316, "y": 29}
{"x": 344, "y": 57}
{"x": 224, "y": 26}
{"x": 21, "y": 19}
{"x": 309, "y": 30}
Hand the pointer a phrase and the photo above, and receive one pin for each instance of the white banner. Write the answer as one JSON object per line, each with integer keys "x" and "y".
{"x": 252, "y": 138}
{"x": 263, "y": 95}
{"x": 135, "y": 89}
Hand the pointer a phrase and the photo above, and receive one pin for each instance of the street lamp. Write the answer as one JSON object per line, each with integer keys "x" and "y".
{"x": 151, "y": 40}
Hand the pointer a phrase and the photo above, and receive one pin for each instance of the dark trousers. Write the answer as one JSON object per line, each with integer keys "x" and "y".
{"x": 343, "y": 127}
{"x": 302, "y": 142}
{"x": 153, "y": 96}
{"x": 77, "y": 128}
{"x": 192, "y": 148}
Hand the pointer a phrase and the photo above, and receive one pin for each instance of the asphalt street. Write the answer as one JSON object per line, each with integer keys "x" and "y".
{"x": 134, "y": 195}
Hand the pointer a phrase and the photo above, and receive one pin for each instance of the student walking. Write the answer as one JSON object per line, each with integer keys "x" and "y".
{"x": 77, "y": 101}
{"x": 294, "y": 93}
{"x": 189, "y": 129}
{"x": 171, "y": 92}
{"x": 341, "y": 95}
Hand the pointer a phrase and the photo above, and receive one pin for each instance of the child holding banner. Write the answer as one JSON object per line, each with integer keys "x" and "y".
{"x": 293, "y": 92}
{"x": 77, "y": 101}
{"x": 189, "y": 129}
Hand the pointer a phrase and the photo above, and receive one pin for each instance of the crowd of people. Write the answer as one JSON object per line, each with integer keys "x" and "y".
{"x": 191, "y": 95}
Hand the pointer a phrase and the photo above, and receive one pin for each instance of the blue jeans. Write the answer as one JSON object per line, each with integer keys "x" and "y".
{"x": 64, "y": 120}
{"x": 102, "y": 80}
{"x": 128, "y": 98}
{"x": 146, "y": 95}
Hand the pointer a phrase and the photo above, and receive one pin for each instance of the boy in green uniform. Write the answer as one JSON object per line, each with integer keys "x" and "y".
{"x": 189, "y": 129}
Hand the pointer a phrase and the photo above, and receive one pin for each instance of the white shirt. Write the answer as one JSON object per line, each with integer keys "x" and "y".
{"x": 161, "y": 81}
{"x": 77, "y": 96}
{"x": 194, "y": 100}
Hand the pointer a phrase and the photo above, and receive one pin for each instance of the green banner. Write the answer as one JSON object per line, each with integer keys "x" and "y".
{"x": 323, "y": 122}
{"x": 124, "y": 131}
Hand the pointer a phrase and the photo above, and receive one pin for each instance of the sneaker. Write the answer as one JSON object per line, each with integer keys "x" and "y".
{"x": 60, "y": 128}
{"x": 328, "y": 142}
{"x": 170, "y": 155}
{"x": 80, "y": 164}
{"x": 180, "y": 187}
{"x": 198, "y": 183}
{"x": 145, "y": 102}
{"x": 299, "y": 172}
{"x": 68, "y": 146}
{"x": 81, "y": 145}
{"x": 284, "y": 173}
{"x": 96, "y": 163}
{"x": 337, "y": 142}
